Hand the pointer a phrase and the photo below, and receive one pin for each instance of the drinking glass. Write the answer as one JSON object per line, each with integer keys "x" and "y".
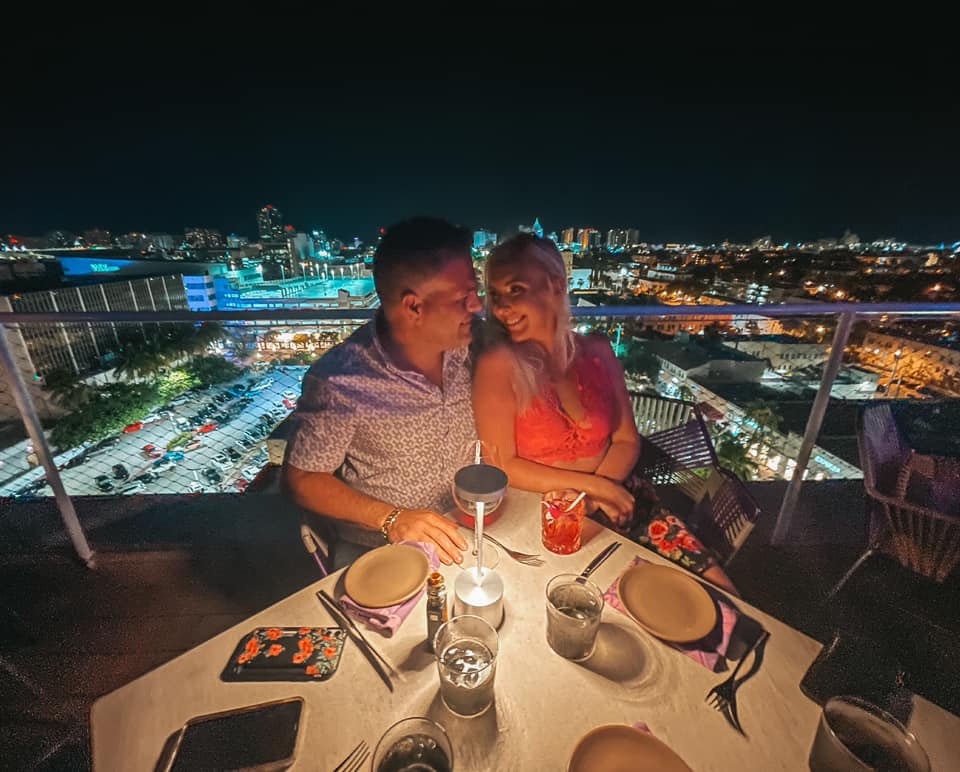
{"x": 414, "y": 744}
{"x": 857, "y": 736}
{"x": 466, "y": 648}
{"x": 561, "y": 529}
{"x": 574, "y": 606}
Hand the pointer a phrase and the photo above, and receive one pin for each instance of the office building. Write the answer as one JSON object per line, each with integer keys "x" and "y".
{"x": 270, "y": 224}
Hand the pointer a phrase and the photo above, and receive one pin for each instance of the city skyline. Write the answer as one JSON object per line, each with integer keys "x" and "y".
{"x": 801, "y": 139}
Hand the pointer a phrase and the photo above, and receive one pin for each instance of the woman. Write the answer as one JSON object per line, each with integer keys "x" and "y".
{"x": 555, "y": 403}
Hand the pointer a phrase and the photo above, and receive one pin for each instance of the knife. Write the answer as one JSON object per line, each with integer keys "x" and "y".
{"x": 594, "y": 564}
{"x": 366, "y": 649}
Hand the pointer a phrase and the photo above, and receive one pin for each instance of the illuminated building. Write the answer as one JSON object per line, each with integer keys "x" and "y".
{"x": 270, "y": 223}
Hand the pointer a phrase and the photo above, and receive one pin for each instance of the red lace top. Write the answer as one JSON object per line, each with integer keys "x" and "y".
{"x": 545, "y": 433}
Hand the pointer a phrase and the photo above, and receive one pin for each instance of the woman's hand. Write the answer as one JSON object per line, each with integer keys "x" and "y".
{"x": 615, "y": 500}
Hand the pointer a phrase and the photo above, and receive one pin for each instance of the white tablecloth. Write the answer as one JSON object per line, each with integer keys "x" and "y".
{"x": 544, "y": 703}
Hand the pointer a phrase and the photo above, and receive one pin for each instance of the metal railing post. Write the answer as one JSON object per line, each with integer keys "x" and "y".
{"x": 31, "y": 422}
{"x": 814, "y": 422}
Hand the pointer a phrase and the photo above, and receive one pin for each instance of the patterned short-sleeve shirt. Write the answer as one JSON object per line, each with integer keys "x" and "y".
{"x": 388, "y": 433}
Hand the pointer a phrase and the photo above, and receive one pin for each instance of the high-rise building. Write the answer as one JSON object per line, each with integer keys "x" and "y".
{"x": 596, "y": 239}
{"x": 633, "y": 237}
{"x": 96, "y": 237}
{"x": 616, "y": 238}
{"x": 484, "y": 239}
{"x": 568, "y": 236}
{"x": 203, "y": 238}
{"x": 537, "y": 228}
{"x": 270, "y": 224}
{"x": 79, "y": 348}
{"x": 233, "y": 240}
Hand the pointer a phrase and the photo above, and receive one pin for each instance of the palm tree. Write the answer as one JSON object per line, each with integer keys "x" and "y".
{"x": 765, "y": 418}
{"x": 67, "y": 390}
{"x": 733, "y": 456}
{"x": 139, "y": 360}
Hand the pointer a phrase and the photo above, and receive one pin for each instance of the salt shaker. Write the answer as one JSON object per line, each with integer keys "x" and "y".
{"x": 437, "y": 610}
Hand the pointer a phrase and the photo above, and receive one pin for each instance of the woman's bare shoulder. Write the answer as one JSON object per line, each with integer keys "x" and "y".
{"x": 495, "y": 359}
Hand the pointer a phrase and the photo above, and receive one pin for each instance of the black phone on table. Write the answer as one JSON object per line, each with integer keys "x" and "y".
{"x": 264, "y": 737}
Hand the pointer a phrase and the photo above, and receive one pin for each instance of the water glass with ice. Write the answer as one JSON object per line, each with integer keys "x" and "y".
{"x": 466, "y": 649}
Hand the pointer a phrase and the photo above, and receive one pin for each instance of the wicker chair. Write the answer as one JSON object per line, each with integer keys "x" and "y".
{"x": 922, "y": 539}
{"x": 717, "y": 507}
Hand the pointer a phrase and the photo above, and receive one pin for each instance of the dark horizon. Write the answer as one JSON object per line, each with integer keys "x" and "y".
{"x": 691, "y": 143}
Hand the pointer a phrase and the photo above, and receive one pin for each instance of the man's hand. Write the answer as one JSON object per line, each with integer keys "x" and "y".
{"x": 426, "y": 525}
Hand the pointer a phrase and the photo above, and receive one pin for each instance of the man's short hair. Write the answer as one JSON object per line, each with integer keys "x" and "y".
{"x": 413, "y": 250}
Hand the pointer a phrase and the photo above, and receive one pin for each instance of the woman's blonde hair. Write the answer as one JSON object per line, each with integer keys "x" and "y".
{"x": 532, "y": 363}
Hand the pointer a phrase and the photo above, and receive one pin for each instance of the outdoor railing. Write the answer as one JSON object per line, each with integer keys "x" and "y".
{"x": 245, "y": 411}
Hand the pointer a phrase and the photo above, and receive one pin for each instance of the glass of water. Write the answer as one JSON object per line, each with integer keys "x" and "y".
{"x": 466, "y": 648}
{"x": 414, "y": 743}
{"x": 857, "y": 736}
{"x": 574, "y": 606}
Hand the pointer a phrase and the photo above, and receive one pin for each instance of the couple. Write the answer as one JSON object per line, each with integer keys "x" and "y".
{"x": 385, "y": 417}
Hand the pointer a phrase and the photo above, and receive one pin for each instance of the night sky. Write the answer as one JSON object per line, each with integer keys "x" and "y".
{"x": 345, "y": 127}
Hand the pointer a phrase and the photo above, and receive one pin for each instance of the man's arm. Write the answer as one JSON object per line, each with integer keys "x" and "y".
{"x": 323, "y": 493}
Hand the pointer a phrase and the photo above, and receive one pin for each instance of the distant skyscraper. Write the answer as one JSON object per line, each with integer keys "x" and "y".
{"x": 595, "y": 239}
{"x": 537, "y": 228}
{"x": 764, "y": 242}
{"x": 616, "y": 238}
{"x": 203, "y": 238}
{"x": 270, "y": 224}
{"x": 484, "y": 239}
{"x": 569, "y": 235}
{"x": 633, "y": 237}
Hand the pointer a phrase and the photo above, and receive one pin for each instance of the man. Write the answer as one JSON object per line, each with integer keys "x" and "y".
{"x": 385, "y": 417}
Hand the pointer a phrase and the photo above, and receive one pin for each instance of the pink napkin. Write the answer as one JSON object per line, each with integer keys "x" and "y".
{"x": 709, "y": 651}
{"x": 387, "y": 621}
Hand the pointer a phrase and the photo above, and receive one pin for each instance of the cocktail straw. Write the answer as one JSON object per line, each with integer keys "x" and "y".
{"x": 477, "y": 454}
{"x": 478, "y": 538}
{"x": 576, "y": 501}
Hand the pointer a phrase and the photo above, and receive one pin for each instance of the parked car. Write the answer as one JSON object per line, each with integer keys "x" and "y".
{"x": 173, "y": 455}
{"x": 246, "y": 442}
{"x": 195, "y": 486}
{"x": 234, "y": 454}
{"x": 195, "y": 443}
{"x": 163, "y": 464}
{"x": 181, "y": 400}
{"x": 152, "y": 451}
{"x": 102, "y": 447}
{"x": 104, "y": 483}
{"x": 222, "y": 461}
{"x": 279, "y": 413}
{"x": 237, "y": 390}
{"x": 250, "y": 472}
{"x": 181, "y": 423}
{"x": 241, "y": 484}
{"x": 120, "y": 472}
{"x": 74, "y": 462}
{"x": 290, "y": 404}
{"x": 207, "y": 428}
{"x": 134, "y": 486}
{"x": 147, "y": 477}
{"x": 222, "y": 397}
{"x": 150, "y": 418}
{"x": 134, "y": 427}
{"x": 288, "y": 394}
{"x": 212, "y": 475}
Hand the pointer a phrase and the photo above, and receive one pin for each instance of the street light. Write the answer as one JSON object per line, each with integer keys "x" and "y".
{"x": 893, "y": 373}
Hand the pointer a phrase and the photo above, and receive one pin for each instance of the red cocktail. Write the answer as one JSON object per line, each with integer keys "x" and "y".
{"x": 561, "y": 523}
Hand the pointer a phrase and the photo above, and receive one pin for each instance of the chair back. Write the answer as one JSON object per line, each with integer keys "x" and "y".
{"x": 680, "y": 459}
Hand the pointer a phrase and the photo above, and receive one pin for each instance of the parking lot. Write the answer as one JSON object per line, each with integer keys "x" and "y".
{"x": 207, "y": 440}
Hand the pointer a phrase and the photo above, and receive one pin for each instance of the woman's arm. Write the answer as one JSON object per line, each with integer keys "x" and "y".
{"x": 624, "y": 448}
{"x": 495, "y": 411}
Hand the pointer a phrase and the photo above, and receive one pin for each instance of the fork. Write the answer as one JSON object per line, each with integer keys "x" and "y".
{"x": 355, "y": 759}
{"x": 526, "y": 558}
{"x": 722, "y": 696}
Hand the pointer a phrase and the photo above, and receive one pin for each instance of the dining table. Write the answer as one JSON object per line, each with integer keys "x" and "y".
{"x": 543, "y": 703}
